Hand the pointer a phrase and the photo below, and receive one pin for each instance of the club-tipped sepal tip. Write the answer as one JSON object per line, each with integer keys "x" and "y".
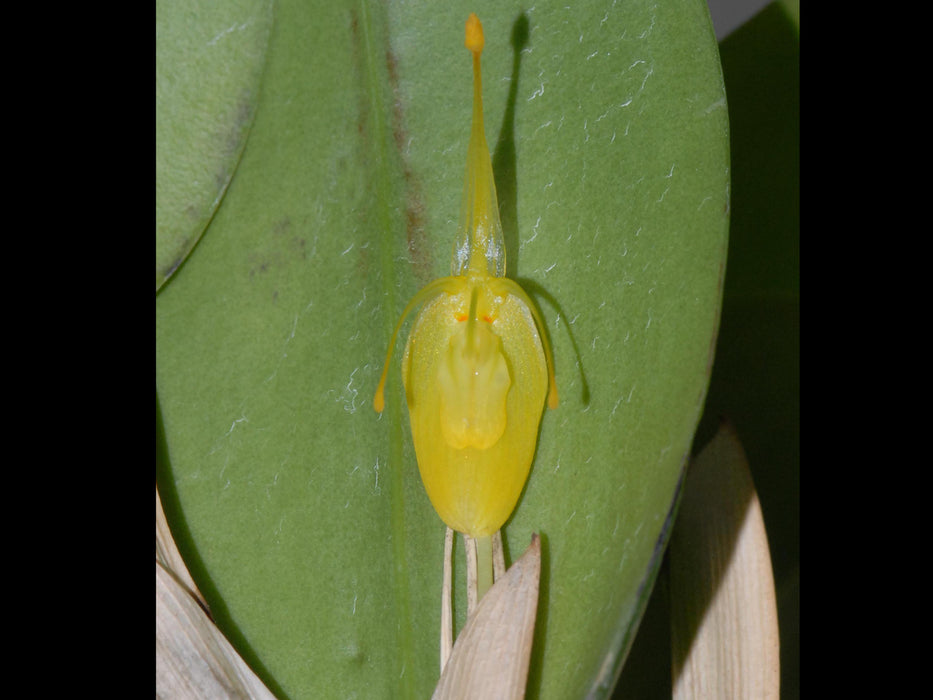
{"x": 474, "y": 34}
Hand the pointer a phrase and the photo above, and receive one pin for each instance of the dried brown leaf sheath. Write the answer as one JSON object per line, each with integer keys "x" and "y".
{"x": 723, "y": 608}
{"x": 492, "y": 653}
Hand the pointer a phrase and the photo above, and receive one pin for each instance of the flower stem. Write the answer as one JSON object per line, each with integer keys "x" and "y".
{"x": 483, "y": 566}
{"x": 447, "y": 625}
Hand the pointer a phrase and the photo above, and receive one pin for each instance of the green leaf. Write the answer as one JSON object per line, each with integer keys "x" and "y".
{"x": 209, "y": 61}
{"x": 756, "y": 381}
{"x": 298, "y": 508}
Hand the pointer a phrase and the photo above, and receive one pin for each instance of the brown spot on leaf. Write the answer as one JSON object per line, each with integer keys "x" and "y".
{"x": 419, "y": 247}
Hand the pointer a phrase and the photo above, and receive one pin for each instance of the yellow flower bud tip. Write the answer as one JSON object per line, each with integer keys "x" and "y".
{"x": 474, "y": 34}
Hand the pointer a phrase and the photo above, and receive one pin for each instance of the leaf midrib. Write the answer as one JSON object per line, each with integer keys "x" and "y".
{"x": 384, "y": 173}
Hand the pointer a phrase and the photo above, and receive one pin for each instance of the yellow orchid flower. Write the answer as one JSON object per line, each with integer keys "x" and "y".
{"x": 477, "y": 365}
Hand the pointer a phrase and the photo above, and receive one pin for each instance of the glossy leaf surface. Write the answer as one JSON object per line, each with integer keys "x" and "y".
{"x": 299, "y": 509}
